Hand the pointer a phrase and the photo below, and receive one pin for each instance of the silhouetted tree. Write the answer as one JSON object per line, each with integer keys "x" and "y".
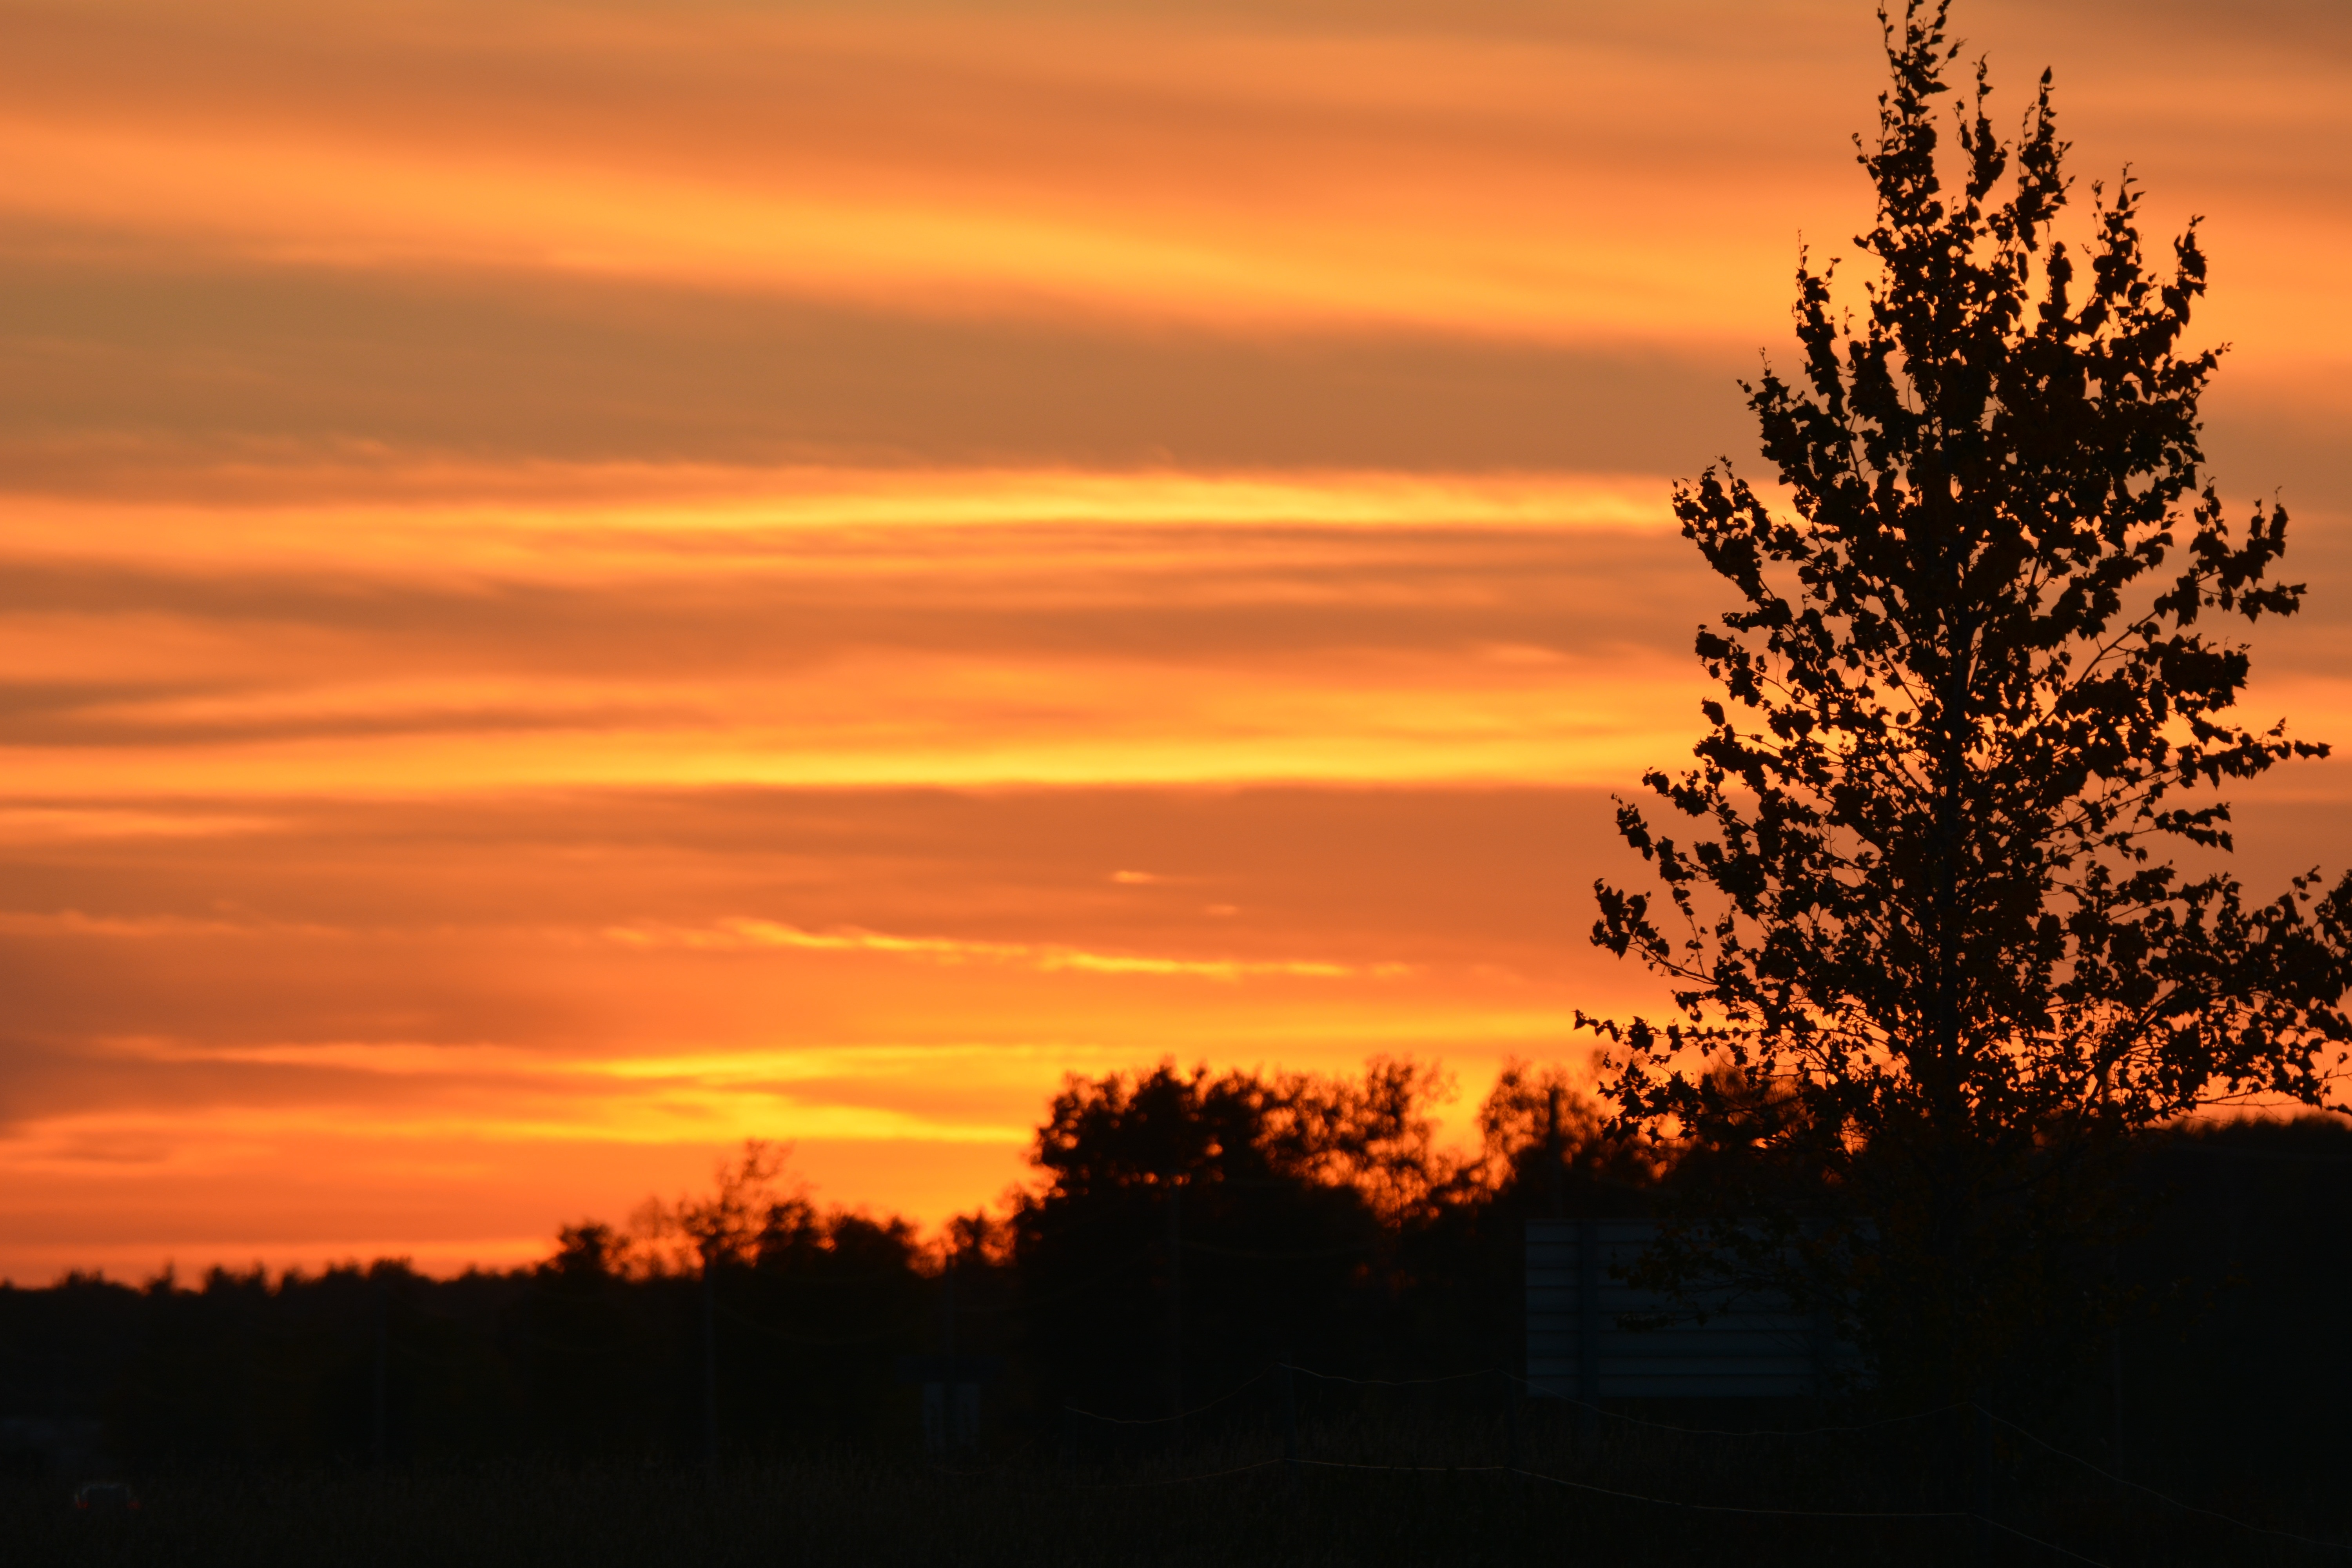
{"x": 724, "y": 1227}
{"x": 1931, "y": 962}
{"x": 1241, "y": 1214}
{"x": 597, "y": 1364}
{"x": 1548, "y": 1151}
{"x": 799, "y": 1311}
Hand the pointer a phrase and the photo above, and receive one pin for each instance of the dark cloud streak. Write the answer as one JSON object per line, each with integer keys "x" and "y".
{"x": 121, "y": 376}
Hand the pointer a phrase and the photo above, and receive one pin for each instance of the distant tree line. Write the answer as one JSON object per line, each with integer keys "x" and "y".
{"x": 1186, "y": 1232}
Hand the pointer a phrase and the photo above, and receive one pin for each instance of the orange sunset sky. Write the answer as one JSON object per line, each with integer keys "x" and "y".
{"x": 583, "y": 582}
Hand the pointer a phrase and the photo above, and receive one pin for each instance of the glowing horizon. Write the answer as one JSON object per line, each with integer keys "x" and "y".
{"x": 584, "y": 583}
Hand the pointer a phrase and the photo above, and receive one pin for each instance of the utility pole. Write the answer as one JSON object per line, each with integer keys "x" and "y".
{"x": 1512, "y": 1457}
{"x": 1555, "y": 1155}
{"x": 709, "y": 1361}
{"x": 2115, "y": 1379}
{"x": 1980, "y": 1478}
{"x": 947, "y": 1301}
{"x": 382, "y": 1370}
{"x": 1289, "y": 1423}
{"x": 1587, "y": 1335}
{"x": 1175, "y": 1310}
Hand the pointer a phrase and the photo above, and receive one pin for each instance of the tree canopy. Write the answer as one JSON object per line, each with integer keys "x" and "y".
{"x": 1930, "y": 948}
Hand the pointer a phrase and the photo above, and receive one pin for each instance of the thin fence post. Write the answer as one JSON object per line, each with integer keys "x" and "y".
{"x": 376, "y": 1445}
{"x": 532, "y": 1422}
{"x": 1289, "y": 1423}
{"x": 1980, "y": 1478}
{"x": 709, "y": 1366}
{"x": 1175, "y": 1313}
{"x": 2116, "y": 1376}
{"x": 947, "y": 1302}
{"x": 1588, "y": 1334}
{"x": 1511, "y": 1404}
{"x": 1290, "y": 1426}
{"x": 2122, "y": 1454}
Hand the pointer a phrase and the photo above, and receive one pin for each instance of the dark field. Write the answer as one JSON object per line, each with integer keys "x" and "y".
{"x": 1227, "y": 1500}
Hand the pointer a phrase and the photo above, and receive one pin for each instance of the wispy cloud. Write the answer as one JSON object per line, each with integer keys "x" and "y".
{"x": 737, "y": 934}
{"x": 40, "y": 823}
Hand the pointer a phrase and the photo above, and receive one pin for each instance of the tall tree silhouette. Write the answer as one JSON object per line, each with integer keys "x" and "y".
{"x": 1931, "y": 958}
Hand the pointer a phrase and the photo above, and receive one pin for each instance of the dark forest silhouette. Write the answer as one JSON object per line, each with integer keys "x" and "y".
{"x": 1946, "y": 1015}
{"x": 1318, "y": 1228}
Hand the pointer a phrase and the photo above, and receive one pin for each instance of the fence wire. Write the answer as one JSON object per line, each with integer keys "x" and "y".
{"x": 1296, "y": 1462}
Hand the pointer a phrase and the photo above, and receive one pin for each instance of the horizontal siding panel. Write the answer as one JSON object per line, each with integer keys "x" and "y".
{"x": 1712, "y": 1387}
{"x": 1714, "y": 1323}
{"x": 1706, "y": 1366}
{"x": 1672, "y": 1347}
{"x": 1741, "y": 1344}
{"x": 1716, "y": 1347}
{"x": 1713, "y": 1340}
